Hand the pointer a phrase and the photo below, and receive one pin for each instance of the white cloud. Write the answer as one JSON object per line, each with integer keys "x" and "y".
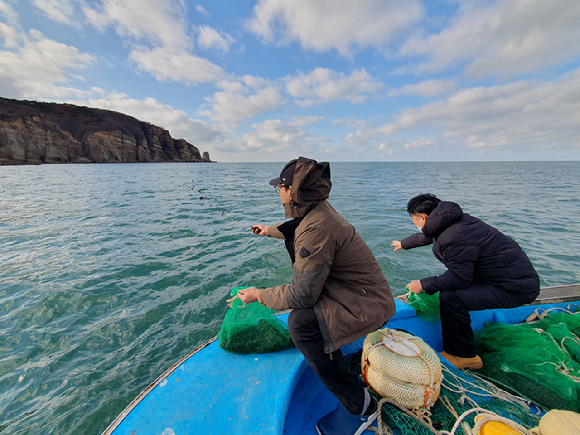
{"x": 238, "y": 102}
{"x": 158, "y": 23}
{"x": 61, "y": 11}
{"x": 323, "y": 85}
{"x": 9, "y": 13}
{"x": 303, "y": 121}
{"x": 274, "y": 140}
{"x": 352, "y": 122}
{"x": 523, "y": 114}
{"x": 386, "y": 148}
{"x": 426, "y": 88}
{"x": 177, "y": 65}
{"x": 39, "y": 67}
{"x": 344, "y": 25}
{"x": 256, "y": 82}
{"x": 202, "y": 10}
{"x": 275, "y": 135}
{"x": 231, "y": 86}
{"x": 504, "y": 38}
{"x": 418, "y": 143}
{"x": 162, "y": 42}
{"x": 249, "y": 96}
{"x": 208, "y": 38}
{"x": 179, "y": 124}
{"x": 9, "y": 35}
{"x": 10, "y": 30}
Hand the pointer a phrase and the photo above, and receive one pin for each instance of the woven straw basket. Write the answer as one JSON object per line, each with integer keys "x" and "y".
{"x": 402, "y": 368}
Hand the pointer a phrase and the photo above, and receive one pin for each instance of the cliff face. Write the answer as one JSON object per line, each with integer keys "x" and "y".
{"x": 33, "y": 133}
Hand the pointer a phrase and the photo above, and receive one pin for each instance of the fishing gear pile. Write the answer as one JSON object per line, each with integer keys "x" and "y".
{"x": 464, "y": 399}
{"x": 539, "y": 360}
{"x": 252, "y": 328}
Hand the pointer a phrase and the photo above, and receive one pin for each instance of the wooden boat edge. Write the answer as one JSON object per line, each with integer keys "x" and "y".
{"x": 558, "y": 294}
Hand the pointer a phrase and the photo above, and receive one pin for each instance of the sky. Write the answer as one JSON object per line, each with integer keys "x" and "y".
{"x": 333, "y": 80}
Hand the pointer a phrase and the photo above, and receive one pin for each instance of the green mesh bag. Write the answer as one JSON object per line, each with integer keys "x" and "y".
{"x": 426, "y": 306}
{"x": 252, "y": 328}
{"x": 538, "y": 362}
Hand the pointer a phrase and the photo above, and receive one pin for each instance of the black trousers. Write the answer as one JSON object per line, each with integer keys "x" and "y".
{"x": 455, "y": 306}
{"x": 332, "y": 368}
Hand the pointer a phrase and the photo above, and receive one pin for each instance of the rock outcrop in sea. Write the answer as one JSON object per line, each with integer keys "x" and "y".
{"x": 34, "y": 132}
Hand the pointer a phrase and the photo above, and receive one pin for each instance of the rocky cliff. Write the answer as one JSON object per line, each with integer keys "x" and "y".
{"x": 33, "y": 133}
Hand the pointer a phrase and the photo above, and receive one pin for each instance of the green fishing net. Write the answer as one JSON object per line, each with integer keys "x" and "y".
{"x": 540, "y": 361}
{"x": 461, "y": 391}
{"x": 426, "y": 306}
{"x": 252, "y": 328}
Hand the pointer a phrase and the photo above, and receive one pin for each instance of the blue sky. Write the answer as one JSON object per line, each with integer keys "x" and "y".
{"x": 336, "y": 80}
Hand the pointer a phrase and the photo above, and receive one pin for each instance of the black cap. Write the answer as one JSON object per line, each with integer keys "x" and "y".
{"x": 286, "y": 176}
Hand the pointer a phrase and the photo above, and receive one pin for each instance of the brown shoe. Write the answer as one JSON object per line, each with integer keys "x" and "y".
{"x": 463, "y": 363}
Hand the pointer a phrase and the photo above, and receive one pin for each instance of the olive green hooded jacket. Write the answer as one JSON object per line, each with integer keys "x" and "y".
{"x": 335, "y": 272}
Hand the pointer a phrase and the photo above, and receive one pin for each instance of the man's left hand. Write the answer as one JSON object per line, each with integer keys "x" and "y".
{"x": 415, "y": 286}
{"x": 248, "y": 295}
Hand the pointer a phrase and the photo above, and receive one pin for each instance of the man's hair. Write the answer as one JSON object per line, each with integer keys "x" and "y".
{"x": 424, "y": 203}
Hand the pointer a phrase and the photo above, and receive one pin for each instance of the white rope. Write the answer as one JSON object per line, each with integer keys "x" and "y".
{"x": 488, "y": 390}
{"x": 542, "y": 313}
{"x": 572, "y": 337}
{"x": 488, "y": 417}
{"x": 493, "y": 392}
{"x": 405, "y": 297}
{"x": 230, "y": 302}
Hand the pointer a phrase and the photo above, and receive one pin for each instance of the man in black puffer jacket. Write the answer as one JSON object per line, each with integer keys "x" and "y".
{"x": 485, "y": 269}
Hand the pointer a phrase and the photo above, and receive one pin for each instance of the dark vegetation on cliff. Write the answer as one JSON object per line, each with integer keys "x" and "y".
{"x": 34, "y": 132}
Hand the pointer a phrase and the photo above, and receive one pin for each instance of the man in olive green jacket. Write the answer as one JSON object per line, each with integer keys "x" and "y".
{"x": 338, "y": 292}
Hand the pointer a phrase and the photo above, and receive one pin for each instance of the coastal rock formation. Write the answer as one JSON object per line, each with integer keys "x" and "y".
{"x": 33, "y": 133}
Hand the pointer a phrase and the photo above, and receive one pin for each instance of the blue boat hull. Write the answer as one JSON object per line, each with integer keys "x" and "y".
{"x": 213, "y": 391}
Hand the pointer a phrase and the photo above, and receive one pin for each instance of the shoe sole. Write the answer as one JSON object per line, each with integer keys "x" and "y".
{"x": 473, "y": 366}
{"x": 370, "y": 421}
{"x": 361, "y": 429}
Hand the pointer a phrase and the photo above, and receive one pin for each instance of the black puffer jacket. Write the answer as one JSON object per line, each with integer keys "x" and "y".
{"x": 473, "y": 252}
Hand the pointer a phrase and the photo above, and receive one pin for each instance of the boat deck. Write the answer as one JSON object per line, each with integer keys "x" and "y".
{"x": 213, "y": 391}
{"x": 219, "y": 390}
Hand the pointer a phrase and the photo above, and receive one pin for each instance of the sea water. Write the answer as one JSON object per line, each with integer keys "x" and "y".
{"x": 111, "y": 273}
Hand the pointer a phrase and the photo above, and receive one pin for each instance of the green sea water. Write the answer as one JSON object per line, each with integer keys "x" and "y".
{"x": 111, "y": 273}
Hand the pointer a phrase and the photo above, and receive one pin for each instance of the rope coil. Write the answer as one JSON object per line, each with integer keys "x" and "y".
{"x": 398, "y": 364}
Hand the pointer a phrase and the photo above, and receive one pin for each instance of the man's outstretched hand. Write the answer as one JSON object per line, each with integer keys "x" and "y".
{"x": 260, "y": 230}
{"x": 396, "y": 244}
